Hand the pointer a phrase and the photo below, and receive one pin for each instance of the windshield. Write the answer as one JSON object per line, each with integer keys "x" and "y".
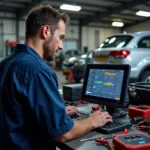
{"x": 116, "y": 41}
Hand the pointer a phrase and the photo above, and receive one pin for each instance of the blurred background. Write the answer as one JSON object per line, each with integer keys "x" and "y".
{"x": 110, "y": 31}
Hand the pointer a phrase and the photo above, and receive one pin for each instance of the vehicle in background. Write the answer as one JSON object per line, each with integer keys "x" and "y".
{"x": 71, "y": 53}
{"x": 129, "y": 48}
{"x": 70, "y": 57}
{"x": 1, "y": 58}
{"x": 59, "y": 58}
{"x": 80, "y": 66}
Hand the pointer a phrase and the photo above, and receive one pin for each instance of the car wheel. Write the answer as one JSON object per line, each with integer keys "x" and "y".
{"x": 77, "y": 80}
{"x": 145, "y": 77}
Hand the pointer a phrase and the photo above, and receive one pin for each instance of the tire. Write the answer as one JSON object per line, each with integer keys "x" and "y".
{"x": 77, "y": 80}
{"x": 145, "y": 77}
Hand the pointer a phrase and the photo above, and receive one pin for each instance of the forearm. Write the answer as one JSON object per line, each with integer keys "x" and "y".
{"x": 97, "y": 119}
{"x": 79, "y": 129}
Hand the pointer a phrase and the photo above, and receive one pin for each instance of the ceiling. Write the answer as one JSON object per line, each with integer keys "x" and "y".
{"x": 93, "y": 12}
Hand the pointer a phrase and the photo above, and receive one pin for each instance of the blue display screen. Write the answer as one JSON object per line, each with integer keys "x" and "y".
{"x": 105, "y": 83}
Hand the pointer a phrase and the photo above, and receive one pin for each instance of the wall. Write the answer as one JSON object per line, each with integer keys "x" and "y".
{"x": 138, "y": 27}
{"x": 8, "y": 33}
{"x": 21, "y": 31}
{"x": 72, "y": 33}
{"x": 88, "y": 36}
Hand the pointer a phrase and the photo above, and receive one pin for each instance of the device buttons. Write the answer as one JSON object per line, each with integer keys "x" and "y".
{"x": 95, "y": 108}
{"x": 138, "y": 136}
{"x": 126, "y": 137}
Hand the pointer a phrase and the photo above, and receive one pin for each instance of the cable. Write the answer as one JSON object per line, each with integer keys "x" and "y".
{"x": 143, "y": 128}
{"x": 103, "y": 141}
{"x": 145, "y": 122}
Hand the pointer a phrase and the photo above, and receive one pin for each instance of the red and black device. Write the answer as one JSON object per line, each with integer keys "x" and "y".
{"x": 140, "y": 111}
{"x": 132, "y": 141}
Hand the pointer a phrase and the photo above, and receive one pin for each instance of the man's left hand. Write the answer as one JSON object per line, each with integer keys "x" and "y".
{"x": 70, "y": 110}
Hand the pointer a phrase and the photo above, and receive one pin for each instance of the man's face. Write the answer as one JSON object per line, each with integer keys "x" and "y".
{"x": 53, "y": 42}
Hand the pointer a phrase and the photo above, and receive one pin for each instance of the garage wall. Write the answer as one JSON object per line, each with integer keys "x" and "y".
{"x": 8, "y": 32}
{"x": 89, "y": 38}
{"x": 139, "y": 27}
{"x": 21, "y": 29}
{"x": 72, "y": 33}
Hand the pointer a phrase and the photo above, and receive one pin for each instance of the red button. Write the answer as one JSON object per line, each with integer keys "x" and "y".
{"x": 95, "y": 108}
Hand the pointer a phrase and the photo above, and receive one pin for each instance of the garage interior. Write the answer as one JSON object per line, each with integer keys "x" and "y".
{"x": 91, "y": 35}
{"x": 87, "y": 28}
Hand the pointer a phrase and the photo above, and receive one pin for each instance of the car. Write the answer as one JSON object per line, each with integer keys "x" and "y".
{"x": 59, "y": 58}
{"x": 80, "y": 66}
{"x": 127, "y": 48}
{"x": 1, "y": 58}
{"x": 70, "y": 57}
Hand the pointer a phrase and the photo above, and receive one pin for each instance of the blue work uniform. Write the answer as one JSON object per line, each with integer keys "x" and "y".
{"x": 32, "y": 111}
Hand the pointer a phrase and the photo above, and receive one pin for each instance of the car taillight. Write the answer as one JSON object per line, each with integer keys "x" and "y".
{"x": 120, "y": 54}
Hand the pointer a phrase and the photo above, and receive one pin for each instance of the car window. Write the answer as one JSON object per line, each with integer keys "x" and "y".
{"x": 72, "y": 53}
{"x": 144, "y": 43}
{"x": 67, "y": 52}
{"x": 76, "y": 53}
{"x": 116, "y": 41}
{"x": 90, "y": 55}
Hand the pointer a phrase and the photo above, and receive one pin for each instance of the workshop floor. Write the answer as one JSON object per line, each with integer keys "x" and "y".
{"x": 61, "y": 78}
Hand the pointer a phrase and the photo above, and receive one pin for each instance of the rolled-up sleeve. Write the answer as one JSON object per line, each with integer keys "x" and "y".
{"x": 46, "y": 105}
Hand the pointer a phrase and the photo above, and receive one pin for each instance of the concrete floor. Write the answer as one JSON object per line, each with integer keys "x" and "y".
{"x": 61, "y": 78}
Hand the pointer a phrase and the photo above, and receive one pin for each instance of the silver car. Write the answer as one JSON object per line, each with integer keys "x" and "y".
{"x": 133, "y": 49}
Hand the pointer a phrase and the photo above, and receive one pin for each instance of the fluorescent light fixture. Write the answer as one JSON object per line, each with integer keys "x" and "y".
{"x": 70, "y": 7}
{"x": 143, "y": 13}
{"x": 117, "y": 24}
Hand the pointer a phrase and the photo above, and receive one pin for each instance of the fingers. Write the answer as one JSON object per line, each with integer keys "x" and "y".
{"x": 109, "y": 120}
{"x": 75, "y": 111}
{"x": 100, "y": 118}
{"x": 72, "y": 110}
{"x": 106, "y": 115}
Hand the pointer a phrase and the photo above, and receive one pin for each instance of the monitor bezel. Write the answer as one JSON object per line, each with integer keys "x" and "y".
{"x": 106, "y": 101}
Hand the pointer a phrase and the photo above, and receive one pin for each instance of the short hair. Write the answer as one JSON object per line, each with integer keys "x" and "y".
{"x": 42, "y": 15}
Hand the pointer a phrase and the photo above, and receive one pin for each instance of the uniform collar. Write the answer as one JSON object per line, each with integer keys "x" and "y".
{"x": 27, "y": 49}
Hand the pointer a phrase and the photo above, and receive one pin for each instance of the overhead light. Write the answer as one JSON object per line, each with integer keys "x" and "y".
{"x": 143, "y": 13}
{"x": 70, "y": 7}
{"x": 117, "y": 24}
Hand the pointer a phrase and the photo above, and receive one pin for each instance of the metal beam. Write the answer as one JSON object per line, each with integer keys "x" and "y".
{"x": 82, "y": 4}
{"x": 35, "y": 2}
{"x": 17, "y": 28}
{"x": 137, "y": 22}
{"x": 80, "y": 17}
{"x": 125, "y": 5}
{"x": 7, "y": 9}
{"x": 121, "y": 18}
{"x": 96, "y": 26}
{"x": 8, "y": 18}
{"x": 115, "y": 1}
{"x": 80, "y": 36}
{"x": 28, "y": 8}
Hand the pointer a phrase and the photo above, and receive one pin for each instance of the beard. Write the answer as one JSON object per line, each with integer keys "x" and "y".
{"x": 49, "y": 52}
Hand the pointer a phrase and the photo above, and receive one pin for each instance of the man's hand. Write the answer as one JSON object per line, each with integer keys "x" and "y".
{"x": 70, "y": 110}
{"x": 100, "y": 118}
